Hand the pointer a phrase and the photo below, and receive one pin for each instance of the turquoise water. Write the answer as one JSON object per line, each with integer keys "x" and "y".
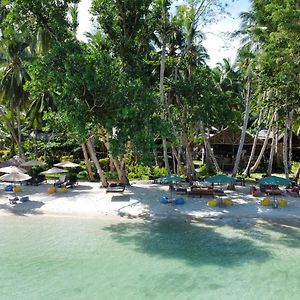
{"x": 58, "y": 258}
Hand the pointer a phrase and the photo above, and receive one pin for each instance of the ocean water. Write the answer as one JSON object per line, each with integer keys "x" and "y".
{"x": 71, "y": 258}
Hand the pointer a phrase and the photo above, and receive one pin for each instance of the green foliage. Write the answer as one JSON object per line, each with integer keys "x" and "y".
{"x": 5, "y": 154}
{"x": 295, "y": 166}
{"x": 82, "y": 175}
{"x": 104, "y": 163}
{"x": 206, "y": 170}
{"x": 139, "y": 172}
{"x": 111, "y": 175}
{"x": 158, "y": 171}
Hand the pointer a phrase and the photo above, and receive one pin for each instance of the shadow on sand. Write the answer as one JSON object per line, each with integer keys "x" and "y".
{"x": 21, "y": 209}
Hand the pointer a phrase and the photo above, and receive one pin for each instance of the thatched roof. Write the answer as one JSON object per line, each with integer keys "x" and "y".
{"x": 229, "y": 136}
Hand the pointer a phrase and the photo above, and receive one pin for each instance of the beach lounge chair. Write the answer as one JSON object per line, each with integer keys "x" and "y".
{"x": 71, "y": 182}
{"x": 115, "y": 188}
{"x": 62, "y": 180}
{"x": 293, "y": 192}
{"x": 13, "y": 200}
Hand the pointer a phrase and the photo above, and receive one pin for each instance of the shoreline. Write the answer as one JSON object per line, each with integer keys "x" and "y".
{"x": 141, "y": 202}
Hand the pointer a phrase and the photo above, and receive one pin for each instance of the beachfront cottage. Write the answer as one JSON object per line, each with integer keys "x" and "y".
{"x": 225, "y": 144}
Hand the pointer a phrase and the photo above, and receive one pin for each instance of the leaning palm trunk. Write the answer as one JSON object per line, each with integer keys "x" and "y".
{"x": 244, "y": 129}
{"x": 256, "y": 164}
{"x": 117, "y": 164}
{"x": 285, "y": 148}
{"x": 208, "y": 148}
{"x": 87, "y": 162}
{"x": 247, "y": 170}
{"x": 91, "y": 148}
{"x": 271, "y": 158}
{"x": 189, "y": 157}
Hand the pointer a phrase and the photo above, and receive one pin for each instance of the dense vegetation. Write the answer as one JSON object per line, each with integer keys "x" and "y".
{"x": 141, "y": 85}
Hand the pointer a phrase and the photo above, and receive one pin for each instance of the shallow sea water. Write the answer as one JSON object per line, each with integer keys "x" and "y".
{"x": 71, "y": 258}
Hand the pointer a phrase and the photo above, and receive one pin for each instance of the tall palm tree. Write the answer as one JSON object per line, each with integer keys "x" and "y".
{"x": 15, "y": 53}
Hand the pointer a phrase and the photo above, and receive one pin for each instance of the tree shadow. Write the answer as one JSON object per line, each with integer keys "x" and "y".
{"x": 194, "y": 244}
{"x": 23, "y": 209}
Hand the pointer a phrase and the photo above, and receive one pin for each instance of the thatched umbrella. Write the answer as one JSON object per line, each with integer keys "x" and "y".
{"x": 67, "y": 164}
{"x": 12, "y": 169}
{"x": 33, "y": 163}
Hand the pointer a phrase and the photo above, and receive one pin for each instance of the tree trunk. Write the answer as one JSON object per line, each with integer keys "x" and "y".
{"x": 87, "y": 162}
{"x": 208, "y": 149}
{"x": 175, "y": 158}
{"x": 166, "y": 158}
{"x": 118, "y": 165}
{"x": 179, "y": 159}
{"x": 256, "y": 164}
{"x": 247, "y": 170}
{"x": 244, "y": 129}
{"x": 155, "y": 157}
{"x": 189, "y": 158}
{"x": 285, "y": 148}
{"x": 161, "y": 84}
{"x": 271, "y": 157}
{"x": 92, "y": 152}
{"x": 290, "y": 139}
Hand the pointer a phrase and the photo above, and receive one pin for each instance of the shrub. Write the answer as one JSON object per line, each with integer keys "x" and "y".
{"x": 4, "y": 154}
{"x": 159, "y": 171}
{"x": 111, "y": 175}
{"x": 104, "y": 163}
{"x": 205, "y": 170}
{"x": 138, "y": 172}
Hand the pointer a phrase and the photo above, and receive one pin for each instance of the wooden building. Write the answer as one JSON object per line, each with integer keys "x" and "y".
{"x": 225, "y": 145}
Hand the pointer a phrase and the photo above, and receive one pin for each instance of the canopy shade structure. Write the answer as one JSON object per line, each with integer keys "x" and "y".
{"x": 67, "y": 164}
{"x": 33, "y": 163}
{"x": 15, "y": 177}
{"x": 54, "y": 170}
{"x": 169, "y": 179}
{"x": 274, "y": 180}
{"x": 221, "y": 179}
{"x": 12, "y": 169}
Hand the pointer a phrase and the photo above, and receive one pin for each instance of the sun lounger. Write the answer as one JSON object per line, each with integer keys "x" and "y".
{"x": 292, "y": 193}
{"x": 13, "y": 200}
{"x": 62, "y": 180}
{"x": 115, "y": 188}
{"x": 273, "y": 191}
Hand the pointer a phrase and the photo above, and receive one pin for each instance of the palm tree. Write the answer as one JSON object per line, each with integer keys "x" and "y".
{"x": 15, "y": 53}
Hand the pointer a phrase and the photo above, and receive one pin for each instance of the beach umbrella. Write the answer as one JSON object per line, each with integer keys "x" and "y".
{"x": 274, "y": 180}
{"x": 221, "y": 179}
{"x": 170, "y": 179}
{"x": 12, "y": 169}
{"x": 33, "y": 163}
{"x": 14, "y": 161}
{"x": 14, "y": 177}
{"x": 67, "y": 164}
{"x": 54, "y": 170}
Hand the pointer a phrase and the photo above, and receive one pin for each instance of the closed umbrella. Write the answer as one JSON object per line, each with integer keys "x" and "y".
{"x": 12, "y": 169}
{"x": 67, "y": 164}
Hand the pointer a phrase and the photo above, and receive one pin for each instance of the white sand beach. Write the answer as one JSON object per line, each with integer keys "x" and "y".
{"x": 142, "y": 200}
